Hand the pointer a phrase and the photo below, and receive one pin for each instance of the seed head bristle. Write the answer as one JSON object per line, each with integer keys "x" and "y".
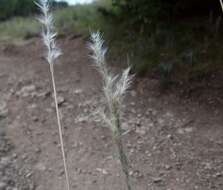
{"x": 48, "y": 35}
{"x": 115, "y": 86}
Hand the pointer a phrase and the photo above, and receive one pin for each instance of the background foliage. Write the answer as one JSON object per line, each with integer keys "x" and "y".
{"x": 178, "y": 40}
{"x": 145, "y": 12}
{"x": 9, "y": 8}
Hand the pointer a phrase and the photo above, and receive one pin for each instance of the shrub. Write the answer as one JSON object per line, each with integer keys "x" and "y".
{"x": 19, "y": 28}
{"x": 146, "y": 12}
{"x": 7, "y": 8}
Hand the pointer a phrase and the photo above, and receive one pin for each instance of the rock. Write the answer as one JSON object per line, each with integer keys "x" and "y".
{"x": 35, "y": 118}
{"x": 140, "y": 131}
{"x": 24, "y": 157}
{"x": 26, "y": 91}
{"x": 14, "y": 155}
{"x": 188, "y": 130}
{"x": 60, "y": 100}
{"x": 168, "y": 167}
{"x": 157, "y": 180}
{"x": 81, "y": 119}
{"x": 78, "y": 91}
{"x": 135, "y": 174}
{"x": 138, "y": 122}
{"x": 131, "y": 173}
{"x": 182, "y": 131}
{"x": 139, "y": 115}
{"x": 101, "y": 170}
{"x": 41, "y": 167}
{"x": 29, "y": 175}
{"x": 218, "y": 174}
{"x": 37, "y": 150}
{"x": 61, "y": 172}
{"x": 44, "y": 94}
{"x": 132, "y": 103}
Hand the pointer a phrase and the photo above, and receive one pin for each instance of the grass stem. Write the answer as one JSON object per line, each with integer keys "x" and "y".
{"x": 122, "y": 155}
{"x": 59, "y": 126}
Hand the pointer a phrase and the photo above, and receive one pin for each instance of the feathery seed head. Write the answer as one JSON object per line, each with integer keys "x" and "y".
{"x": 115, "y": 86}
{"x": 99, "y": 51}
{"x": 123, "y": 84}
{"x": 48, "y": 35}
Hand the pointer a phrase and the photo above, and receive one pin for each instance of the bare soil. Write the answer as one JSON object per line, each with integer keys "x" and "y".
{"x": 173, "y": 143}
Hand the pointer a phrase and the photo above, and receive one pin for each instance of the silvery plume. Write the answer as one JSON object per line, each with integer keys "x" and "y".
{"x": 114, "y": 88}
{"x": 48, "y": 34}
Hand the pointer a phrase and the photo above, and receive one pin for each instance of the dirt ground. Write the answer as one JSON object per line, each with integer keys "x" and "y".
{"x": 173, "y": 143}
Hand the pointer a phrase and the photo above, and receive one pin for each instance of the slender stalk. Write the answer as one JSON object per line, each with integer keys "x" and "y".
{"x": 122, "y": 155}
{"x": 59, "y": 127}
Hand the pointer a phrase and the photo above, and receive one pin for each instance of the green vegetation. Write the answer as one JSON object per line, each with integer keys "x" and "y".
{"x": 77, "y": 19}
{"x": 179, "y": 40}
{"x": 7, "y": 8}
{"x": 10, "y": 8}
{"x": 81, "y": 19}
{"x": 19, "y": 28}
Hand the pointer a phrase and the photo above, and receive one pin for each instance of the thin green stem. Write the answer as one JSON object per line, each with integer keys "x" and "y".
{"x": 122, "y": 155}
{"x": 59, "y": 127}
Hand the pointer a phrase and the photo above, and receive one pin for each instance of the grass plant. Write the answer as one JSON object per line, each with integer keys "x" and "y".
{"x": 53, "y": 52}
{"x": 114, "y": 88}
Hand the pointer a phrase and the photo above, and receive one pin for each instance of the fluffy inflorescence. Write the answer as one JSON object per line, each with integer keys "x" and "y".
{"x": 48, "y": 33}
{"x": 115, "y": 86}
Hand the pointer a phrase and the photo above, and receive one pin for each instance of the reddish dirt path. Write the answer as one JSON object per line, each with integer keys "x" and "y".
{"x": 174, "y": 144}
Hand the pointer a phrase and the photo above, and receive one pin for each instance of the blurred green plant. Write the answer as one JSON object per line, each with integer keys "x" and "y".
{"x": 19, "y": 28}
{"x": 7, "y": 8}
{"x": 10, "y": 8}
{"x": 79, "y": 18}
